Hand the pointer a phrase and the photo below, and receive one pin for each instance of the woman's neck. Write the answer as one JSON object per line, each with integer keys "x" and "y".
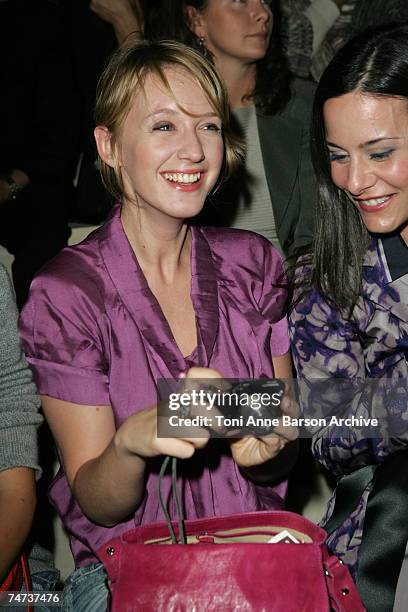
{"x": 162, "y": 245}
{"x": 239, "y": 79}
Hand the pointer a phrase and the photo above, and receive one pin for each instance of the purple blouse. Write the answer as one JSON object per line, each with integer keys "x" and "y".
{"x": 95, "y": 334}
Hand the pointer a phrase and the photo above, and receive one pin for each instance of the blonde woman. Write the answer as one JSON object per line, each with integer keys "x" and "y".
{"x": 148, "y": 297}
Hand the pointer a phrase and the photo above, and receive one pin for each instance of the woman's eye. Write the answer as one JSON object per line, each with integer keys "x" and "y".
{"x": 338, "y": 157}
{"x": 212, "y": 127}
{"x": 163, "y": 127}
{"x": 382, "y": 155}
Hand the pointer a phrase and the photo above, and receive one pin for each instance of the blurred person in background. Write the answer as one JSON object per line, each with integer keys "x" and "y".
{"x": 314, "y": 30}
{"x": 36, "y": 164}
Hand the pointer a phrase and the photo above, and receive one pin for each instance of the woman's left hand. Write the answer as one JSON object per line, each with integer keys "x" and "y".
{"x": 269, "y": 458}
{"x": 251, "y": 451}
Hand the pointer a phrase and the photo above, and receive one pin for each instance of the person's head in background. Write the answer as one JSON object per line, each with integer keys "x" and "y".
{"x": 241, "y": 37}
{"x": 162, "y": 132}
{"x": 360, "y": 154}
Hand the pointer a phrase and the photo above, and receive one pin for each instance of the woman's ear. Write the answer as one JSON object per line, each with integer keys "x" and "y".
{"x": 195, "y": 22}
{"x": 103, "y": 138}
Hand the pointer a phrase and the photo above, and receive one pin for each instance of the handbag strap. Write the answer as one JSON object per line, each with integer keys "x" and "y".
{"x": 175, "y": 491}
{"x": 385, "y": 530}
{"x": 343, "y": 593}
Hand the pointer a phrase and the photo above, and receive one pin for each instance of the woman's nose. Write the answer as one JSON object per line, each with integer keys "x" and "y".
{"x": 262, "y": 11}
{"x": 360, "y": 177}
{"x": 191, "y": 147}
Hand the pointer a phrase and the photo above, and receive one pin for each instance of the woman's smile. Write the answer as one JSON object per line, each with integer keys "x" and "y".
{"x": 184, "y": 180}
{"x": 373, "y": 204}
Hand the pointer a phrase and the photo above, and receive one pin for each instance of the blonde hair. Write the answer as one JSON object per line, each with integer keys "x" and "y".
{"x": 126, "y": 74}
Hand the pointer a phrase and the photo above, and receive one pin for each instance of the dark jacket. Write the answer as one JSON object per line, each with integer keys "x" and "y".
{"x": 284, "y": 141}
{"x": 285, "y": 149}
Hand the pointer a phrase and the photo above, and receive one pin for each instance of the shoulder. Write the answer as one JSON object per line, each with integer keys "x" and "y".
{"x": 301, "y": 101}
{"x": 243, "y": 252}
{"x": 249, "y": 271}
{"x": 303, "y": 88}
{"x": 375, "y": 271}
{"x": 237, "y": 244}
{"x": 296, "y": 114}
{"x": 76, "y": 273}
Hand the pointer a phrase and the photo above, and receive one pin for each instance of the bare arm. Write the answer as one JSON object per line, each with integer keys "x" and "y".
{"x": 17, "y": 504}
{"x": 125, "y": 16}
{"x": 104, "y": 467}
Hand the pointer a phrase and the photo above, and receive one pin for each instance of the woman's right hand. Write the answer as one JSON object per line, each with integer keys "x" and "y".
{"x": 138, "y": 436}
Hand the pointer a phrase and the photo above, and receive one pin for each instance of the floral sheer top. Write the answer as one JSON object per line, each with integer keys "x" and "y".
{"x": 369, "y": 351}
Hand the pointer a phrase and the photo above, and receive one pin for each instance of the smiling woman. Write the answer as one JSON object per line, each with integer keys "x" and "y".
{"x": 171, "y": 145}
{"x": 367, "y": 137}
{"x": 349, "y": 323}
{"x": 274, "y": 192}
{"x": 148, "y": 297}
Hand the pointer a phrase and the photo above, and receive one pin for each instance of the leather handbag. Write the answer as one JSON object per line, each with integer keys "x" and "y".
{"x": 226, "y": 564}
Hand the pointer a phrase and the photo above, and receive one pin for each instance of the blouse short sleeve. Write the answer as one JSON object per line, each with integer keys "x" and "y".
{"x": 273, "y": 300}
{"x": 61, "y": 328}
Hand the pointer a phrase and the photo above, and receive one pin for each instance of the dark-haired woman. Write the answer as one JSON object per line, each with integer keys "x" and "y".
{"x": 349, "y": 324}
{"x": 274, "y": 193}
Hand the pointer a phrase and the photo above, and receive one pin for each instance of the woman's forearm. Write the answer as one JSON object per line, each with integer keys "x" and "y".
{"x": 17, "y": 505}
{"x": 110, "y": 487}
{"x": 105, "y": 468}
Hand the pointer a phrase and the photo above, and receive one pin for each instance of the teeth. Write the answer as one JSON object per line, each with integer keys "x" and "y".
{"x": 179, "y": 177}
{"x": 374, "y": 202}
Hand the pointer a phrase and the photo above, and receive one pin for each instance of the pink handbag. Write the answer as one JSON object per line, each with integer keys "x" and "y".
{"x": 226, "y": 564}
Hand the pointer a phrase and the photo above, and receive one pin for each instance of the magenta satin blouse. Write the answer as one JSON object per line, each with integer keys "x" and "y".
{"x": 95, "y": 335}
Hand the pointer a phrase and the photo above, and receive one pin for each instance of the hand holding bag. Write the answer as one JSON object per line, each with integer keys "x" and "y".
{"x": 227, "y": 564}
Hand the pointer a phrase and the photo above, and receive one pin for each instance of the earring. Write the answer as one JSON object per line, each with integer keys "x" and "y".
{"x": 202, "y": 48}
